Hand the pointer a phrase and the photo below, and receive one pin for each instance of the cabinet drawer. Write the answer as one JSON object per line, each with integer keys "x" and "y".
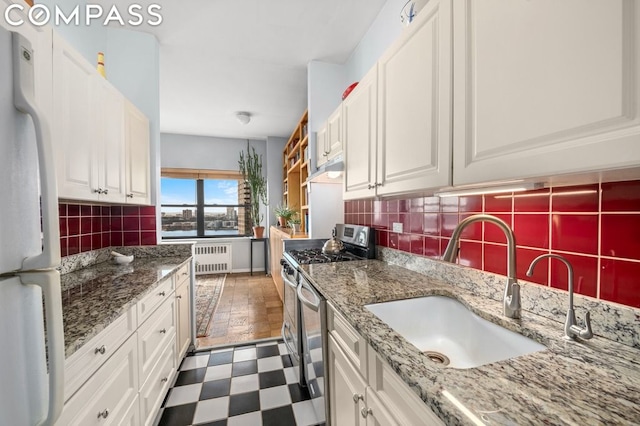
{"x": 154, "y": 336}
{"x": 183, "y": 275}
{"x": 86, "y": 361}
{"x": 151, "y": 301}
{"x": 110, "y": 392}
{"x": 154, "y": 390}
{"x": 353, "y": 345}
{"x": 403, "y": 404}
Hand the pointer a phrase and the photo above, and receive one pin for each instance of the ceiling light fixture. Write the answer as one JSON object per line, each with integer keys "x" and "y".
{"x": 243, "y": 117}
{"x": 516, "y": 187}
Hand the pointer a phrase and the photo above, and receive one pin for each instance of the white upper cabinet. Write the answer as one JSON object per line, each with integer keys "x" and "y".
{"x": 329, "y": 138}
{"x": 545, "y": 87}
{"x": 137, "y": 158}
{"x": 321, "y": 147}
{"x": 359, "y": 115}
{"x": 414, "y": 105}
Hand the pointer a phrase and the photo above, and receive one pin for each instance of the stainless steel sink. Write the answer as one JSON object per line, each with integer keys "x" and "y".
{"x": 450, "y": 334}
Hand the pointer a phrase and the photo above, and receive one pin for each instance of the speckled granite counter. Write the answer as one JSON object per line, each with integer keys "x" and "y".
{"x": 95, "y": 296}
{"x": 576, "y": 383}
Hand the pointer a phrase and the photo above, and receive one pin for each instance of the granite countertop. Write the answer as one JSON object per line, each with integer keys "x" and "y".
{"x": 95, "y": 296}
{"x": 575, "y": 383}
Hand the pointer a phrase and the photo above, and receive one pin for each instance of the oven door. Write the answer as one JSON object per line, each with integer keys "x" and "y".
{"x": 291, "y": 319}
{"x": 314, "y": 345}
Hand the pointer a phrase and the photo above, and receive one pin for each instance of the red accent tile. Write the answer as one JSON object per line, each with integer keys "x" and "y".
{"x": 496, "y": 205}
{"x": 524, "y": 257}
{"x": 432, "y": 204}
{"x": 472, "y": 203}
{"x": 472, "y": 231}
{"x": 564, "y": 199}
{"x": 379, "y": 221}
{"x": 619, "y": 282}
{"x": 63, "y": 227}
{"x": 96, "y": 224}
{"x": 431, "y": 224}
{"x": 417, "y": 205}
{"x": 470, "y": 254}
{"x": 106, "y": 223}
{"x": 96, "y": 241}
{"x": 116, "y": 210}
{"x": 575, "y": 233}
{"x": 393, "y": 217}
{"x": 585, "y": 274}
{"x": 73, "y": 226}
{"x": 368, "y": 206}
{"x": 147, "y": 210}
{"x": 360, "y": 206}
{"x": 148, "y": 238}
{"x": 495, "y": 259}
{"x": 131, "y": 238}
{"x": 131, "y": 223}
{"x": 85, "y": 225}
{"x": 62, "y": 210}
{"x": 73, "y": 245}
{"x": 106, "y": 211}
{"x": 444, "y": 242}
{"x": 449, "y": 204}
{"x": 621, "y": 235}
{"x": 85, "y": 243}
{"x": 382, "y": 238}
{"x": 96, "y": 210}
{"x": 392, "y": 206}
{"x": 73, "y": 210}
{"x": 532, "y": 201}
{"x": 85, "y": 210}
{"x": 405, "y": 219}
{"x": 106, "y": 239}
{"x": 531, "y": 230}
{"x": 384, "y": 206}
{"x": 404, "y": 242}
{"x": 493, "y": 234}
{"x": 432, "y": 247}
{"x": 63, "y": 247}
{"x": 417, "y": 244}
{"x": 403, "y": 206}
{"x": 448, "y": 222}
{"x": 116, "y": 223}
{"x": 393, "y": 240}
{"x": 416, "y": 220}
{"x": 377, "y": 206}
{"x": 621, "y": 196}
{"x": 130, "y": 211}
{"x": 368, "y": 219}
{"x": 116, "y": 238}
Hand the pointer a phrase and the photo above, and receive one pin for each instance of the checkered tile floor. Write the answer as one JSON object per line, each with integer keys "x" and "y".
{"x": 248, "y": 385}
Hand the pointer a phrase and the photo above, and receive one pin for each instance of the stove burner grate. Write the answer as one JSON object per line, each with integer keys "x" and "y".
{"x": 308, "y": 256}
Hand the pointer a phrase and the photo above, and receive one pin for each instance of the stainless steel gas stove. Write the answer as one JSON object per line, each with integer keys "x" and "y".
{"x": 304, "y": 324}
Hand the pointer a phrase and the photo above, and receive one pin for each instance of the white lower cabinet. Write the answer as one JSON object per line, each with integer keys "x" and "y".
{"x": 156, "y": 386}
{"x": 183, "y": 319}
{"x": 106, "y": 397}
{"x": 154, "y": 335}
{"x": 367, "y": 392}
{"x": 132, "y": 416}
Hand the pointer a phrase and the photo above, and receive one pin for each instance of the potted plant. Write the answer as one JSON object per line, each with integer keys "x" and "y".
{"x": 294, "y": 223}
{"x": 284, "y": 213}
{"x": 250, "y": 165}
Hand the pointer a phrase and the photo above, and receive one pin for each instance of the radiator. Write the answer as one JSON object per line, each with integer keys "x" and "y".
{"x": 213, "y": 258}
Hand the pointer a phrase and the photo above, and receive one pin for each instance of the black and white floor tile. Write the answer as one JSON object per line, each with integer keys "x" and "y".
{"x": 248, "y": 385}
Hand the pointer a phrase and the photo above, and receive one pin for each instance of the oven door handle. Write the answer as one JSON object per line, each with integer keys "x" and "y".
{"x": 315, "y": 305}
{"x": 286, "y": 336}
{"x": 286, "y": 280}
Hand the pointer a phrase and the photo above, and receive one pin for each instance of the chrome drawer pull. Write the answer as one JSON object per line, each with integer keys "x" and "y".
{"x": 104, "y": 414}
{"x": 164, "y": 330}
{"x": 365, "y": 412}
{"x": 357, "y": 397}
{"x": 178, "y": 297}
{"x": 161, "y": 293}
{"x": 101, "y": 350}
{"x": 164, "y": 379}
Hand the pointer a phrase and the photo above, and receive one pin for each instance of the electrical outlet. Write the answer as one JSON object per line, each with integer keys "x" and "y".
{"x": 397, "y": 227}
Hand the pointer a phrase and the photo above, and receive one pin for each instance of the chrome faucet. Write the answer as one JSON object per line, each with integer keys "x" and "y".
{"x": 511, "y": 300}
{"x": 571, "y": 329}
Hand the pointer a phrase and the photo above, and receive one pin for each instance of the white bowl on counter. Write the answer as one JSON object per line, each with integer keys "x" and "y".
{"x": 122, "y": 260}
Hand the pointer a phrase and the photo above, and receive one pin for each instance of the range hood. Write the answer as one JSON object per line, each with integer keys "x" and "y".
{"x": 329, "y": 172}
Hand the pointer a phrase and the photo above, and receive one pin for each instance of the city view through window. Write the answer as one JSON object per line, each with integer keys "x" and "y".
{"x": 203, "y": 208}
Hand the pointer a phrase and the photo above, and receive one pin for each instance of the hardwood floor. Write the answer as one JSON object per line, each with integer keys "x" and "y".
{"x": 249, "y": 309}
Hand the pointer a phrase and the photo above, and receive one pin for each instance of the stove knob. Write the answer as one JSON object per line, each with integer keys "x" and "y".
{"x": 283, "y": 262}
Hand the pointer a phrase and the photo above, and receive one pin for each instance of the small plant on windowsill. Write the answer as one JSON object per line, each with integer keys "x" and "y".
{"x": 284, "y": 214}
{"x": 294, "y": 223}
{"x": 250, "y": 165}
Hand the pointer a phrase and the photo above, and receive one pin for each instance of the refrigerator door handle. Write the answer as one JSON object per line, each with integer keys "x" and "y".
{"x": 24, "y": 100}
{"x": 49, "y": 282}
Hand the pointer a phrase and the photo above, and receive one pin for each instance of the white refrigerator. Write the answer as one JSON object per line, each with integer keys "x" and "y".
{"x": 31, "y": 367}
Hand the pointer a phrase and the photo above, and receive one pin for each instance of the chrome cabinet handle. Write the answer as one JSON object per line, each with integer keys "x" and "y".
{"x": 105, "y": 191}
{"x": 164, "y": 379}
{"x": 100, "y": 191}
{"x": 365, "y": 412}
{"x": 178, "y": 297}
{"x": 129, "y": 195}
{"x": 358, "y": 397}
{"x": 161, "y": 293}
{"x": 163, "y": 331}
{"x": 104, "y": 414}
{"x": 101, "y": 350}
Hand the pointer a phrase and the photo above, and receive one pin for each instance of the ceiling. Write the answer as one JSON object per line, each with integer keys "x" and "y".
{"x": 218, "y": 57}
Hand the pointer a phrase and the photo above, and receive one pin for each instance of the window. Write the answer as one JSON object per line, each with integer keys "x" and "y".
{"x": 203, "y": 204}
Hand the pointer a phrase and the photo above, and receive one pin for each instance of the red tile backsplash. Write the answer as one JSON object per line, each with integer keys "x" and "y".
{"x": 596, "y": 227}
{"x": 85, "y": 227}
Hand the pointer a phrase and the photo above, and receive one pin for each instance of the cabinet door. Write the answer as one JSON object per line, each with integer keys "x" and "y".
{"x": 414, "y": 105}
{"x": 321, "y": 146}
{"x": 376, "y": 413}
{"x": 108, "y": 127}
{"x": 333, "y": 142}
{"x": 544, "y": 88}
{"x": 183, "y": 315}
{"x": 359, "y": 115}
{"x": 73, "y": 139}
{"x": 137, "y": 146}
{"x": 346, "y": 389}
